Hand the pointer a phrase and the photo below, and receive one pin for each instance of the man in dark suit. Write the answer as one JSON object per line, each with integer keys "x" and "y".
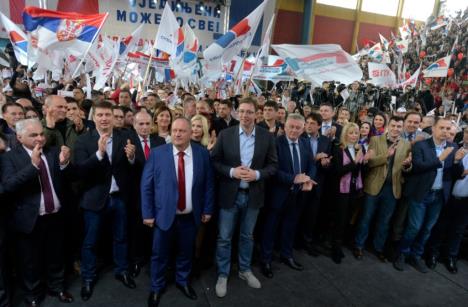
{"x": 329, "y": 128}
{"x": 296, "y": 168}
{"x": 177, "y": 192}
{"x": 33, "y": 176}
{"x": 105, "y": 160}
{"x": 12, "y": 112}
{"x": 224, "y": 119}
{"x": 270, "y": 123}
{"x": 4, "y": 290}
{"x": 435, "y": 161}
{"x": 244, "y": 157}
{"x": 320, "y": 146}
{"x": 140, "y": 236}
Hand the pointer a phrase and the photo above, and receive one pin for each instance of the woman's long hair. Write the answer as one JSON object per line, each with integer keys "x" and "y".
{"x": 206, "y": 134}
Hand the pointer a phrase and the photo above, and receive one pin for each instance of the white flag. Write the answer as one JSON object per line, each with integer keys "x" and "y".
{"x": 411, "y": 80}
{"x": 166, "y": 38}
{"x": 18, "y": 39}
{"x": 381, "y": 75}
{"x": 438, "y": 69}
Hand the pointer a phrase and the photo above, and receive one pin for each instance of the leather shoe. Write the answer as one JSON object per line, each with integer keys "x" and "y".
{"x": 188, "y": 291}
{"x": 266, "y": 270}
{"x": 135, "y": 270}
{"x": 126, "y": 280}
{"x": 63, "y": 296}
{"x": 33, "y": 303}
{"x": 86, "y": 290}
{"x": 154, "y": 299}
{"x": 451, "y": 265}
{"x": 431, "y": 262}
{"x": 358, "y": 254}
{"x": 293, "y": 264}
{"x": 337, "y": 255}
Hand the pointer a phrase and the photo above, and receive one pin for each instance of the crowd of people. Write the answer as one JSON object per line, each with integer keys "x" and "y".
{"x": 177, "y": 179}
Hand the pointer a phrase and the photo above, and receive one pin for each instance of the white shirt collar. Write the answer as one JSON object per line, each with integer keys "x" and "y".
{"x": 187, "y": 151}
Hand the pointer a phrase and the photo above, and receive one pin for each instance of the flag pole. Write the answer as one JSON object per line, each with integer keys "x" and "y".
{"x": 89, "y": 47}
{"x": 148, "y": 67}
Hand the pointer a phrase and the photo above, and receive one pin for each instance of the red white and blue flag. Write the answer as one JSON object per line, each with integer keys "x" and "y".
{"x": 184, "y": 62}
{"x": 63, "y": 30}
{"x": 128, "y": 43}
{"x": 18, "y": 39}
{"x": 238, "y": 38}
{"x": 438, "y": 69}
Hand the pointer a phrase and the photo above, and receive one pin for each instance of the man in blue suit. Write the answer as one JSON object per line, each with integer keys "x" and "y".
{"x": 296, "y": 167}
{"x": 177, "y": 191}
{"x": 435, "y": 163}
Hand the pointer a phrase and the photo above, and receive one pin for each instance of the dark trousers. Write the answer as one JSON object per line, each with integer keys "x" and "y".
{"x": 41, "y": 255}
{"x": 139, "y": 235}
{"x": 183, "y": 231}
{"x": 309, "y": 216}
{"x": 115, "y": 210}
{"x": 4, "y": 297}
{"x": 340, "y": 217}
{"x": 450, "y": 228}
{"x": 288, "y": 215}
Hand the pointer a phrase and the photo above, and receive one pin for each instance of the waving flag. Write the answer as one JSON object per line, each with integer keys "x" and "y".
{"x": 128, "y": 43}
{"x": 376, "y": 53}
{"x": 438, "y": 69}
{"x": 18, "y": 39}
{"x": 405, "y": 31}
{"x": 402, "y": 46}
{"x": 168, "y": 34}
{"x": 184, "y": 62}
{"x": 237, "y": 38}
{"x": 412, "y": 81}
{"x": 62, "y": 30}
{"x": 381, "y": 75}
{"x": 318, "y": 63}
{"x": 384, "y": 41}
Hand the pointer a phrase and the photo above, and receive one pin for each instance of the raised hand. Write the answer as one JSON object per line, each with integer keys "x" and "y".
{"x": 36, "y": 156}
{"x": 64, "y": 156}
{"x": 102, "y": 143}
{"x": 130, "y": 150}
{"x": 447, "y": 151}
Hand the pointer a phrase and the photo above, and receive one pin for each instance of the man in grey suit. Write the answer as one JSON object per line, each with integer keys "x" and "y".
{"x": 244, "y": 157}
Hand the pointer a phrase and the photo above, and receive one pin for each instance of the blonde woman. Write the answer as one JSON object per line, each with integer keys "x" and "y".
{"x": 200, "y": 132}
{"x": 348, "y": 161}
{"x": 162, "y": 121}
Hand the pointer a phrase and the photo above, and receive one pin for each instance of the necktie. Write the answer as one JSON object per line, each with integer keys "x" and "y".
{"x": 181, "y": 181}
{"x": 411, "y": 136}
{"x": 46, "y": 188}
{"x": 296, "y": 165}
{"x": 147, "y": 149}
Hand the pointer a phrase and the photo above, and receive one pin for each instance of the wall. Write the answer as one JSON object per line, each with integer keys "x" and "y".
{"x": 288, "y": 25}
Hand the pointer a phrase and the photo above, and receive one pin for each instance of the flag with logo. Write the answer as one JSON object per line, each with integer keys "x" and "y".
{"x": 62, "y": 30}
{"x": 376, "y": 53}
{"x": 412, "y": 81}
{"x": 438, "y": 69}
{"x": 402, "y": 45}
{"x": 384, "y": 41}
{"x": 18, "y": 39}
{"x": 168, "y": 32}
{"x": 318, "y": 63}
{"x": 184, "y": 61}
{"x": 128, "y": 43}
{"x": 381, "y": 75}
{"x": 230, "y": 44}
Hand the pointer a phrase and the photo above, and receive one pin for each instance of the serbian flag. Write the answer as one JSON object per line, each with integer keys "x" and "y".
{"x": 402, "y": 45}
{"x": 128, "y": 43}
{"x": 319, "y": 63}
{"x": 63, "y": 30}
{"x": 238, "y": 38}
{"x": 18, "y": 39}
{"x": 438, "y": 69}
{"x": 184, "y": 62}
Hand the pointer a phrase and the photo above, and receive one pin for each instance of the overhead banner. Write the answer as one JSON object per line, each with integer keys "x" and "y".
{"x": 381, "y": 75}
{"x": 207, "y": 19}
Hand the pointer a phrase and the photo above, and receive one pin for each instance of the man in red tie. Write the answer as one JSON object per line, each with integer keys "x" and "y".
{"x": 139, "y": 236}
{"x": 176, "y": 196}
{"x": 33, "y": 176}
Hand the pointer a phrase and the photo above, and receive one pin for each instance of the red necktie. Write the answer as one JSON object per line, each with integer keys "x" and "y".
{"x": 46, "y": 188}
{"x": 181, "y": 183}
{"x": 147, "y": 149}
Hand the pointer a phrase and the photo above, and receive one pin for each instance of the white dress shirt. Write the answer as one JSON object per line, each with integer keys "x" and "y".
{"x": 54, "y": 195}
{"x": 188, "y": 164}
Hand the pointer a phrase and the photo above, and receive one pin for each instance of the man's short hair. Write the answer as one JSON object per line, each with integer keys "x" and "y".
{"x": 396, "y": 118}
{"x": 295, "y": 116}
{"x": 439, "y": 118}
{"x": 21, "y": 125}
{"x": 189, "y": 98}
{"x": 126, "y": 109}
{"x": 315, "y": 117}
{"x": 413, "y": 113}
{"x": 70, "y": 100}
{"x": 103, "y": 105}
{"x": 326, "y": 104}
{"x": 226, "y": 102}
{"x": 271, "y": 104}
{"x": 249, "y": 100}
{"x": 11, "y": 104}
{"x": 125, "y": 91}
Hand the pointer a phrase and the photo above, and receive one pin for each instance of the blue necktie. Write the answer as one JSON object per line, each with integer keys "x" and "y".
{"x": 296, "y": 165}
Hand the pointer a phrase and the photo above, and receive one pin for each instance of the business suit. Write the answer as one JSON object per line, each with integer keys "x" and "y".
{"x": 139, "y": 236}
{"x": 382, "y": 189}
{"x": 220, "y": 124}
{"x": 159, "y": 201}
{"x": 287, "y": 199}
{"x": 97, "y": 200}
{"x": 4, "y": 290}
{"x": 339, "y": 128}
{"x": 425, "y": 203}
{"x": 234, "y": 200}
{"x": 313, "y": 201}
{"x": 37, "y": 232}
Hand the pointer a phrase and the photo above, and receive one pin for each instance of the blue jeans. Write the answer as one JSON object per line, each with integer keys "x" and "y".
{"x": 422, "y": 216}
{"x": 116, "y": 210}
{"x": 385, "y": 203}
{"x": 227, "y": 223}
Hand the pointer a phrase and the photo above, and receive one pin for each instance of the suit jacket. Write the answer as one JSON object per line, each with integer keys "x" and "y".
{"x": 339, "y": 128}
{"x": 140, "y": 160}
{"x": 377, "y": 166}
{"x": 425, "y": 164}
{"x": 220, "y": 124}
{"x": 159, "y": 186}
{"x": 283, "y": 181}
{"x": 96, "y": 175}
{"x": 226, "y": 155}
{"x": 324, "y": 145}
{"x": 21, "y": 180}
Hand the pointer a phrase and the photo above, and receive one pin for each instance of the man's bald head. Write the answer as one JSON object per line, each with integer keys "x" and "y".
{"x": 57, "y": 105}
{"x": 24, "y": 102}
